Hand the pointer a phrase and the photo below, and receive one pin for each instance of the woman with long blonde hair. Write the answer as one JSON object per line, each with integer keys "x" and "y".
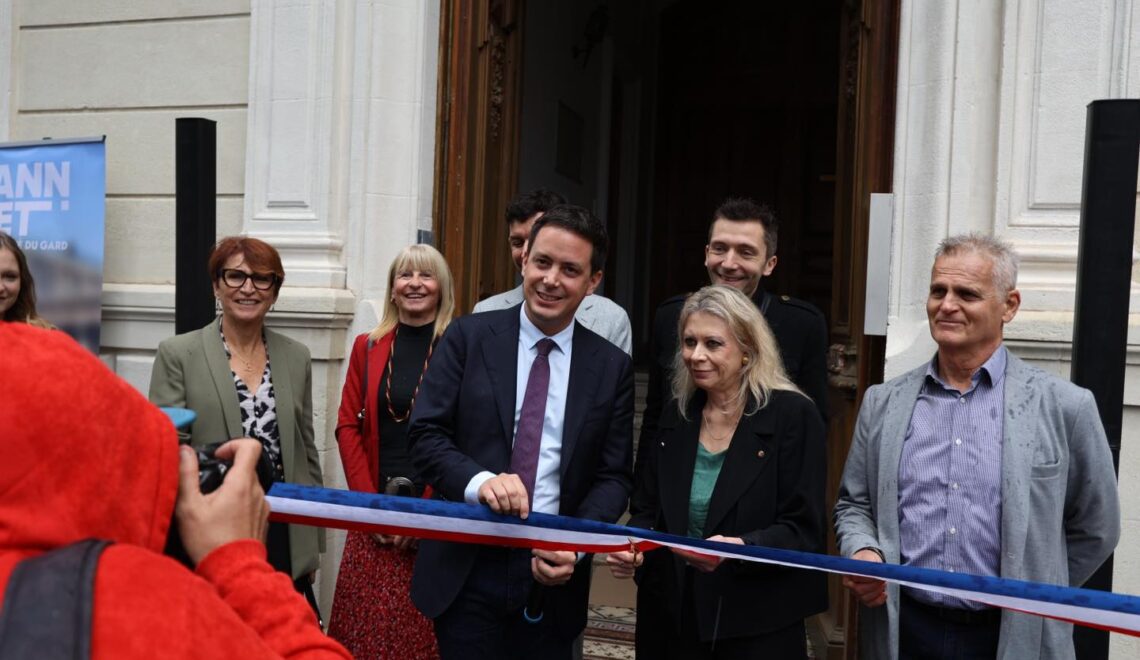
{"x": 740, "y": 460}
{"x": 372, "y": 614}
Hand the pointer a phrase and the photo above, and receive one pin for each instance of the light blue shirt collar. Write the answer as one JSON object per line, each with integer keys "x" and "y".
{"x": 530, "y": 335}
{"x": 993, "y": 368}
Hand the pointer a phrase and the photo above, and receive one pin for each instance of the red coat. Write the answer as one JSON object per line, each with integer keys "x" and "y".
{"x": 85, "y": 455}
{"x": 360, "y": 452}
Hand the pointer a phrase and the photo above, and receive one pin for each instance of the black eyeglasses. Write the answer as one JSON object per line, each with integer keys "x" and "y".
{"x": 235, "y": 279}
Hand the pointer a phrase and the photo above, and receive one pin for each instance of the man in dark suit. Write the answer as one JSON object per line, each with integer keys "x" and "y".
{"x": 524, "y": 410}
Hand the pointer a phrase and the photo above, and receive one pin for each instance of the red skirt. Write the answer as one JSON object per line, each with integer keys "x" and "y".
{"x": 372, "y": 613}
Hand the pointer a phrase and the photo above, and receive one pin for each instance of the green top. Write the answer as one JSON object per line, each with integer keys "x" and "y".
{"x": 705, "y": 472}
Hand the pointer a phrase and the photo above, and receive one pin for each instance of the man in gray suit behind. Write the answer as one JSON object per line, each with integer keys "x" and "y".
{"x": 937, "y": 477}
{"x": 598, "y": 313}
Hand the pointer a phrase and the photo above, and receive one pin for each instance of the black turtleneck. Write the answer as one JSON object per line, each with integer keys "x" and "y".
{"x": 408, "y": 354}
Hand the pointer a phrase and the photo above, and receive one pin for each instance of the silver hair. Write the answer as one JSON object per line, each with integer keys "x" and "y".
{"x": 1001, "y": 254}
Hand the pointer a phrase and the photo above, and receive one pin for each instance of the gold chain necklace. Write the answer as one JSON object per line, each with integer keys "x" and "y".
{"x": 400, "y": 419}
{"x": 246, "y": 362}
{"x": 708, "y": 424}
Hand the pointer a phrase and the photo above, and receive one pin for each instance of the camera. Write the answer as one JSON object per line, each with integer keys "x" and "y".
{"x": 211, "y": 473}
{"x": 212, "y": 470}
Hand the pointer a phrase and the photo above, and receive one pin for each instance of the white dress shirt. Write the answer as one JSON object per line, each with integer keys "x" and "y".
{"x": 548, "y": 481}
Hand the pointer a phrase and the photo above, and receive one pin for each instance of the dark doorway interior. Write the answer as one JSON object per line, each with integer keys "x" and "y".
{"x": 678, "y": 105}
{"x": 650, "y": 112}
{"x": 746, "y": 105}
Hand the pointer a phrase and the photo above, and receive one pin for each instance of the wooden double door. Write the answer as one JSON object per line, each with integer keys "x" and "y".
{"x": 791, "y": 103}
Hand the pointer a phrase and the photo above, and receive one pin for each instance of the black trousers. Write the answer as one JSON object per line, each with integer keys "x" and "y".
{"x": 661, "y": 637}
{"x": 783, "y": 644}
{"x": 652, "y": 618}
{"x": 486, "y": 618}
{"x": 932, "y": 633}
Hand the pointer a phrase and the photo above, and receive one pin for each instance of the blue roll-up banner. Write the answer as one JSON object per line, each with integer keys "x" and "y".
{"x": 52, "y": 201}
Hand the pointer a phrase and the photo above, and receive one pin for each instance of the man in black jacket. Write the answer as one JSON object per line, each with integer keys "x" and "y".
{"x": 742, "y": 251}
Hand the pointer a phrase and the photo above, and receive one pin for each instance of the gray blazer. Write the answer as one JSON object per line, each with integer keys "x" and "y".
{"x": 598, "y": 313}
{"x": 1060, "y": 515}
{"x": 191, "y": 371}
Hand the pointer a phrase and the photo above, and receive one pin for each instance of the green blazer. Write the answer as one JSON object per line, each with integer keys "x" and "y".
{"x": 191, "y": 371}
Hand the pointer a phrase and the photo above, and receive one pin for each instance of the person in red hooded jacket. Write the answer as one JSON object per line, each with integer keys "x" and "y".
{"x": 87, "y": 456}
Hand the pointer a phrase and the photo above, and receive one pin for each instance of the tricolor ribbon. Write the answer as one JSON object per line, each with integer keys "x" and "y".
{"x": 468, "y": 523}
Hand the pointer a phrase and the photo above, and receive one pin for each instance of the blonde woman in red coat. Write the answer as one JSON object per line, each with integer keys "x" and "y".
{"x": 372, "y": 614}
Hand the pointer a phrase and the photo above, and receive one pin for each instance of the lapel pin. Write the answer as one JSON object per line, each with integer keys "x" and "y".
{"x": 760, "y": 454}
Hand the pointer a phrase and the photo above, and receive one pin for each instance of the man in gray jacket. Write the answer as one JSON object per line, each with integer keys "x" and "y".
{"x": 598, "y": 313}
{"x": 975, "y": 463}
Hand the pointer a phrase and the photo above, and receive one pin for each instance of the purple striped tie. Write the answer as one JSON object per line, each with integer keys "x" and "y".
{"x": 528, "y": 437}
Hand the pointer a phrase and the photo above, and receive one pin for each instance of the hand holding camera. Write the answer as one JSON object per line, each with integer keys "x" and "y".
{"x": 212, "y": 468}
{"x": 235, "y": 510}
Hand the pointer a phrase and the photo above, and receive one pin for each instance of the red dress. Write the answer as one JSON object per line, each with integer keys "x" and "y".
{"x": 372, "y": 613}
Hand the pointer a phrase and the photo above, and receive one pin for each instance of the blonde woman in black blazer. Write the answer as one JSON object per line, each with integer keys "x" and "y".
{"x": 740, "y": 460}
{"x": 204, "y": 369}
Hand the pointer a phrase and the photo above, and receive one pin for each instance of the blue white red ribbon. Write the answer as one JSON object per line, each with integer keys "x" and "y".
{"x": 452, "y": 521}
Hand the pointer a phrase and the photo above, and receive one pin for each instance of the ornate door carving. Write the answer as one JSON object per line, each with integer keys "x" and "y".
{"x": 477, "y": 142}
{"x": 868, "y": 66}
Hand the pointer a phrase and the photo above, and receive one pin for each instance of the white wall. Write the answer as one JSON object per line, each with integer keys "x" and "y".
{"x": 990, "y": 137}
{"x": 127, "y": 70}
{"x": 80, "y": 71}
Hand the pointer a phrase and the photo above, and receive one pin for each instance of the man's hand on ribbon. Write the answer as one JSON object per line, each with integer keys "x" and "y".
{"x": 236, "y": 510}
{"x": 870, "y": 591}
{"x": 553, "y": 567}
{"x": 506, "y": 494}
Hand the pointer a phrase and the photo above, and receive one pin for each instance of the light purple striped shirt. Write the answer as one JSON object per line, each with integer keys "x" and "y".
{"x": 950, "y": 477}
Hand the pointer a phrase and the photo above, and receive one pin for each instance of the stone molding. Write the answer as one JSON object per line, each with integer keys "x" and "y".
{"x": 288, "y": 183}
{"x": 990, "y": 137}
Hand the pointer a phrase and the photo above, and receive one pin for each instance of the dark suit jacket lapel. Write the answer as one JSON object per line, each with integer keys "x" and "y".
{"x": 223, "y": 378}
{"x": 748, "y": 456}
{"x": 676, "y": 461}
{"x": 501, "y": 358}
{"x": 579, "y": 391}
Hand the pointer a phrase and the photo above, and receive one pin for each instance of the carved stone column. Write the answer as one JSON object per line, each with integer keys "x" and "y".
{"x": 990, "y": 138}
{"x": 292, "y": 73}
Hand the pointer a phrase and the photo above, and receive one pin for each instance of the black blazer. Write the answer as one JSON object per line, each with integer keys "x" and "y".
{"x": 770, "y": 492}
{"x": 463, "y": 423}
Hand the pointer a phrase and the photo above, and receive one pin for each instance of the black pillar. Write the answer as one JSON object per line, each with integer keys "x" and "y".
{"x": 196, "y": 219}
{"x": 1104, "y": 273}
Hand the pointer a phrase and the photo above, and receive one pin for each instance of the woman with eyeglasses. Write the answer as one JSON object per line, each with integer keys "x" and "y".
{"x": 244, "y": 380}
{"x": 372, "y": 614}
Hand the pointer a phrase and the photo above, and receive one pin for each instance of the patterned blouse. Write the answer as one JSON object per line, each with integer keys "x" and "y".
{"x": 259, "y": 412}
